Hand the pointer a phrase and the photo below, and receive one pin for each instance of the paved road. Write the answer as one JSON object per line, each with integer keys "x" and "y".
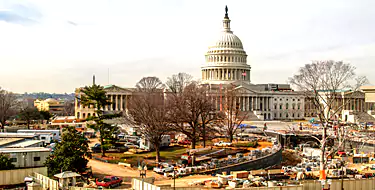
{"x": 102, "y": 168}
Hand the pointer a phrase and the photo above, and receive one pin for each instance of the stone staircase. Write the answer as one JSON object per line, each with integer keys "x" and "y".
{"x": 251, "y": 116}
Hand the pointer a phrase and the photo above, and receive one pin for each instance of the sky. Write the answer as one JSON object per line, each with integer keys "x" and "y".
{"x": 56, "y": 46}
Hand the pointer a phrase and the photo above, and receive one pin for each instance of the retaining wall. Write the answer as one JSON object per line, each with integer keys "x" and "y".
{"x": 262, "y": 162}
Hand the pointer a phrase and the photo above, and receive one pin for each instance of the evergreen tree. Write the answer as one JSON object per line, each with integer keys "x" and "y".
{"x": 69, "y": 154}
{"x": 95, "y": 96}
{"x": 5, "y": 163}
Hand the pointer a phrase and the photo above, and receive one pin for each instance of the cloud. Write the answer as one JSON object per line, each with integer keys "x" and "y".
{"x": 62, "y": 43}
{"x": 23, "y": 14}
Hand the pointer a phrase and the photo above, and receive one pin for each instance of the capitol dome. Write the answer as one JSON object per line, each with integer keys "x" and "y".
{"x": 226, "y": 60}
{"x": 227, "y": 40}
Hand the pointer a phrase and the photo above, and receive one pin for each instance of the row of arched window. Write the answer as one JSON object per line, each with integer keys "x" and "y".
{"x": 226, "y": 44}
{"x": 84, "y": 115}
{"x": 226, "y": 51}
{"x": 214, "y": 58}
{"x": 286, "y": 115}
{"x": 287, "y": 106}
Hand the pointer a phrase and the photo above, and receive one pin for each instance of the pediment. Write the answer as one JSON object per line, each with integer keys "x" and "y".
{"x": 246, "y": 90}
{"x": 117, "y": 89}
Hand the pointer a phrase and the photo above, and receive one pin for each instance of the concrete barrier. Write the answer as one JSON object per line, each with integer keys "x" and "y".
{"x": 17, "y": 176}
{"x": 125, "y": 164}
{"x": 46, "y": 182}
{"x": 349, "y": 184}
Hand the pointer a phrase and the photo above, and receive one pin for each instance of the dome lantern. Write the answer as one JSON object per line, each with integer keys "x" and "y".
{"x": 226, "y": 21}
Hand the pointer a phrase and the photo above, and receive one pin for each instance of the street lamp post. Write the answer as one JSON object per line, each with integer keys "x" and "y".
{"x": 174, "y": 177}
{"x": 342, "y": 175}
{"x": 142, "y": 173}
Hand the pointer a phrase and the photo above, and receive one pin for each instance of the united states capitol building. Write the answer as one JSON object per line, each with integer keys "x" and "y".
{"x": 226, "y": 64}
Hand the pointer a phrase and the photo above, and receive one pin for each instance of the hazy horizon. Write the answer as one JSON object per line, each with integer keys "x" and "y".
{"x": 57, "y": 46}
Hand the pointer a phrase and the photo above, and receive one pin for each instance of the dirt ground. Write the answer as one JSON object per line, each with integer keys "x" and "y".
{"x": 101, "y": 169}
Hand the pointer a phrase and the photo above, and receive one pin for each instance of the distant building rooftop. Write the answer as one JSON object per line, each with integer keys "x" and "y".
{"x": 4, "y": 141}
{"x": 24, "y": 144}
{"x": 17, "y": 135}
{"x": 30, "y": 149}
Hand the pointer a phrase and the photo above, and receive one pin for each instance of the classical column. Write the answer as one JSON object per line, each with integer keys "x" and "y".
{"x": 252, "y": 103}
{"x": 115, "y": 102}
{"x": 265, "y": 104}
{"x": 121, "y": 102}
{"x": 126, "y": 102}
{"x": 256, "y": 103}
{"x": 244, "y": 102}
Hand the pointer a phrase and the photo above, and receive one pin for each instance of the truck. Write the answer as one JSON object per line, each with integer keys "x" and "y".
{"x": 147, "y": 145}
{"x": 109, "y": 182}
{"x": 222, "y": 143}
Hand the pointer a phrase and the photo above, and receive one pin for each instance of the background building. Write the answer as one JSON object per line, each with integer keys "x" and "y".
{"x": 118, "y": 96}
{"x": 55, "y": 107}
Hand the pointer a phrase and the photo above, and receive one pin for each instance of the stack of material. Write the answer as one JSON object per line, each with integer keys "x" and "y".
{"x": 240, "y": 174}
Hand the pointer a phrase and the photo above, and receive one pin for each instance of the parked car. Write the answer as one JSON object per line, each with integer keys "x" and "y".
{"x": 131, "y": 145}
{"x": 222, "y": 143}
{"x": 163, "y": 169}
{"x": 109, "y": 181}
{"x": 184, "y": 142}
{"x": 96, "y": 148}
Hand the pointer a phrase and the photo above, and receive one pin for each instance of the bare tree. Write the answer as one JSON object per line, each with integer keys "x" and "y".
{"x": 28, "y": 114}
{"x": 147, "y": 109}
{"x": 149, "y": 84}
{"x": 178, "y": 82}
{"x": 326, "y": 83}
{"x": 191, "y": 111}
{"x": 69, "y": 108}
{"x": 233, "y": 116}
{"x": 8, "y": 104}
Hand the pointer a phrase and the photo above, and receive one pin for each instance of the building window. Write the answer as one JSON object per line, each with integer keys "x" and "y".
{"x": 280, "y": 99}
{"x": 299, "y": 106}
{"x": 293, "y": 106}
{"x": 83, "y": 116}
{"x": 43, "y": 138}
{"x": 286, "y": 115}
{"x": 36, "y": 159}
{"x": 89, "y": 115}
{"x": 280, "y": 115}
{"x": 297, "y": 114}
{"x": 275, "y": 99}
{"x": 281, "y": 106}
{"x": 287, "y": 99}
{"x": 93, "y": 114}
{"x": 286, "y": 106}
{"x": 13, "y": 159}
{"x": 294, "y": 100}
{"x": 292, "y": 115}
{"x": 298, "y": 100}
{"x": 275, "y": 106}
{"x": 274, "y": 115}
